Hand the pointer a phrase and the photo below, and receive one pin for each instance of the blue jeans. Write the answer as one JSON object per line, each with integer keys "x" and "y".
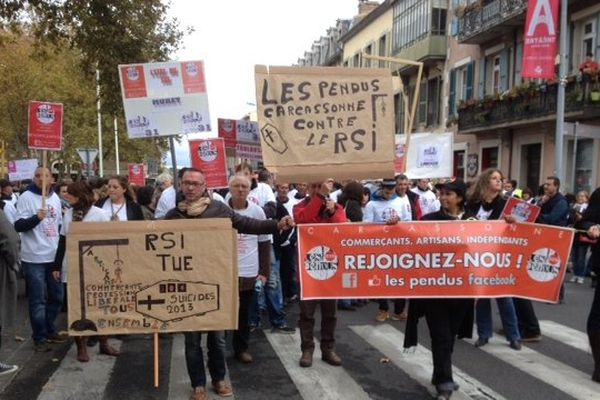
{"x": 194, "y": 358}
{"x": 508, "y": 315}
{"x": 579, "y": 260}
{"x": 45, "y": 296}
{"x": 272, "y": 299}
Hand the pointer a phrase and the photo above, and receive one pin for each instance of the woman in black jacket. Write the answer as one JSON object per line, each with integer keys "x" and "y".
{"x": 447, "y": 317}
{"x": 591, "y": 223}
{"x": 120, "y": 204}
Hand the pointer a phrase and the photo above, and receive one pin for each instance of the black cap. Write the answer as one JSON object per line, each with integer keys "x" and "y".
{"x": 456, "y": 186}
{"x": 388, "y": 182}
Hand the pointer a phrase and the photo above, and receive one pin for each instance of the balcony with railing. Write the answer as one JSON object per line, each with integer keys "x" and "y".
{"x": 527, "y": 106}
{"x": 483, "y": 20}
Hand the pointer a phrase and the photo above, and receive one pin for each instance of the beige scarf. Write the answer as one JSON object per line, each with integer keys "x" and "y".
{"x": 196, "y": 208}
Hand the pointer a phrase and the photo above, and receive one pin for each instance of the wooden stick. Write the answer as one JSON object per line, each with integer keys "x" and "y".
{"x": 155, "y": 359}
{"x": 44, "y": 180}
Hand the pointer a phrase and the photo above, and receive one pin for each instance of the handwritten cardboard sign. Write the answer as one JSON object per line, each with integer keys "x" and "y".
{"x": 433, "y": 259}
{"x": 521, "y": 210}
{"x": 152, "y": 276}
{"x": 323, "y": 122}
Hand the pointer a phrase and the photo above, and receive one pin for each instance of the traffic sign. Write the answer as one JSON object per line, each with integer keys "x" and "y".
{"x": 87, "y": 156}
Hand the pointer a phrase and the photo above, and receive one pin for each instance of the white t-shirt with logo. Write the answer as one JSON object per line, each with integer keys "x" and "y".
{"x": 38, "y": 245}
{"x": 380, "y": 211}
{"x": 248, "y": 261}
{"x": 95, "y": 214}
{"x": 428, "y": 201}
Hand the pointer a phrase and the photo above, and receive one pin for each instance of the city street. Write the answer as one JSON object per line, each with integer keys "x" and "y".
{"x": 375, "y": 365}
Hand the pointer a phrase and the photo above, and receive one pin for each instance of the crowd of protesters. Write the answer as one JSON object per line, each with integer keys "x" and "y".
{"x": 264, "y": 213}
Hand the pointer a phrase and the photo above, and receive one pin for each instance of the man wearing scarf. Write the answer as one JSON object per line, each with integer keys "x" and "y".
{"x": 198, "y": 204}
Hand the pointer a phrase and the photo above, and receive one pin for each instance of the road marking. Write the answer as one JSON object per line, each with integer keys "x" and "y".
{"x": 575, "y": 383}
{"x": 569, "y": 336}
{"x": 321, "y": 381}
{"x": 77, "y": 380}
{"x": 179, "y": 380}
{"x": 418, "y": 364}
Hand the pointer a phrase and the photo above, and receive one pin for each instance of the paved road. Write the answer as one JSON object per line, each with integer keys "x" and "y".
{"x": 557, "y": 368}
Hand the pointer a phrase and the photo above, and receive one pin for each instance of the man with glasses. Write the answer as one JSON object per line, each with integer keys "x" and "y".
{"x": 198, "y": 204}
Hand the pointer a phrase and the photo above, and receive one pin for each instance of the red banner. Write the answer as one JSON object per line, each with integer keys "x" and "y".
{"x": 45, "y": 126}
{"x": 541, "y": 39}
{"x": 227, "y": 131}
{"x": 433, "y": 259}
{"x": 137, "y": 174}
{"x": 521, "y": 210}
{"x": 209, "y": 156}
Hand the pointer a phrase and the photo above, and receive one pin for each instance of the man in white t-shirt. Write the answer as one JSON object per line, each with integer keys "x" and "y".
{"x": 254, "y": 259}
{"x": 389, "y": 208}
{"x": 427, "y": 199}
{"x": 39, "y": 228}
{"x": 167, "y": 197}
{"x": 386, "y": 206}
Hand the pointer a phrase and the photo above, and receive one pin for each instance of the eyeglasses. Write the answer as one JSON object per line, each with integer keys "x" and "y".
{"x": 192, "y": 184}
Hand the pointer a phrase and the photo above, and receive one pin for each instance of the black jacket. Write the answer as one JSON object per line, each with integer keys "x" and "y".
{"x": 462, "y": 310}
{"x": 497, "y": 206}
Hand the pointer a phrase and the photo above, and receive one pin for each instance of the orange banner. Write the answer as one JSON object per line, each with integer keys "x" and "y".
{"x": 433, "y": 259}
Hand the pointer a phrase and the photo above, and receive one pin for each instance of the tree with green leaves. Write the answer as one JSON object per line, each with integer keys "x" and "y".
{"x": 102, "y": 34}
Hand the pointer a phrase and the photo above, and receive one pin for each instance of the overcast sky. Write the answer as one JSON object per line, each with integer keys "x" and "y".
{"x": 233, "y": 36}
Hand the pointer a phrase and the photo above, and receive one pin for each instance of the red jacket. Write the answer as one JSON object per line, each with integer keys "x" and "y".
{"x": 312, "y": 210}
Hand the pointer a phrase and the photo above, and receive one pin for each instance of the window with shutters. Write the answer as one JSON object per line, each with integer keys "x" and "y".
{"x": 496, "y": 81}
{"x": 368, "y": 51}
{"x": 433, "y": 101}
{"x": 461, "y": 86}
{"x": 422, "y": 117}
{"x": 588, "y": 44}
{"x": 383, "y": 49}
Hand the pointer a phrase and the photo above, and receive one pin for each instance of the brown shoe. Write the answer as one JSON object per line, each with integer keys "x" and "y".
{"x": 244, "y": 357}
{"x": 106, "y": 348}
{"x": 199, "y": 393}
{"x": 331, "y": 358}
{"x": 306, "y": 359}
{"x": 222, "y": 388}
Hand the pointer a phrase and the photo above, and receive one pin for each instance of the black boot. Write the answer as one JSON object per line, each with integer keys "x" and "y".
{"x": 594, "y": 337}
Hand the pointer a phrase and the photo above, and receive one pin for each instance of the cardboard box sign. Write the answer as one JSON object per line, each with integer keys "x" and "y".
{"x": 317, "y": 123}
{"x": 152, "y": 276}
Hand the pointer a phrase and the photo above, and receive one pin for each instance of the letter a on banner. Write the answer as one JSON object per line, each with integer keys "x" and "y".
{"x": 540, "y": 47}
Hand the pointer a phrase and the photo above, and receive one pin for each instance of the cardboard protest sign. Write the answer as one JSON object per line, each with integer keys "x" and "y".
{"x": 163, "y": 99}
{"x": 21, "y": 169}
{"x": 152, "y": 276}
{"x": 521, "y": 210}
{"x": 319, "y": 122}
{"x": 137, "y": 174}
{"x": 429, "y": 155}
{"x": 45, "y": 128}
{"x": 433, "y": 259}
{"x": 209, "y": 156}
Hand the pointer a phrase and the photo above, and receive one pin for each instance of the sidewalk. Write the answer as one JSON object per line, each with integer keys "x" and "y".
{"x": 17, "y": 345}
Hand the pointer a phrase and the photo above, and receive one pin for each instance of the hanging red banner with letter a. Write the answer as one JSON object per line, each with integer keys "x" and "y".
{"x": 541, "y": 39}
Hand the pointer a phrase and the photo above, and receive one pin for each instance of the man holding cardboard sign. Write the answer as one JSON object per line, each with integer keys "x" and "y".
{"x": 198, "y": 204}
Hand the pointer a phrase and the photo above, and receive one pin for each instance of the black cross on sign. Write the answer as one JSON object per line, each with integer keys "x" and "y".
{"x": 149, "y": 302}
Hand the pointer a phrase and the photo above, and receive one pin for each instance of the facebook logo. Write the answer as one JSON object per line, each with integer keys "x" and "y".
{"x": 349, "y": 280}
